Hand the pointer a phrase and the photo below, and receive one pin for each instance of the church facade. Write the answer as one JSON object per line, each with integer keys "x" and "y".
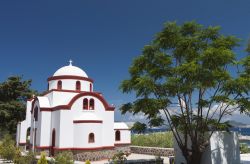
{"x": 71, "y": 116}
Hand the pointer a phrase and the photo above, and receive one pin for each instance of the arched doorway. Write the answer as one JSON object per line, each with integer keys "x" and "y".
{"x": 28, "y": 139}
{"x": 53, "y": 142}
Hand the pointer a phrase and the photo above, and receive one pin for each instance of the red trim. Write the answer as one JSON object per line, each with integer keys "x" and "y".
{"x": 87, "y": 121}
{"x": 96, "y": 95}
{"x": 22, "y": 143}
{"x": 42, "y": 147}
{"x": 94, "y": 148}
{"x": 70, "y": 77}
{"x": 74, "y": 148}
{"x": 69, "y": 105}
{"x": 121, "y": 129}
{"x": 62, "y": 90}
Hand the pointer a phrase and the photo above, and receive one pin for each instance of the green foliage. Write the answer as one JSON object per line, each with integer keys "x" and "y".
{"x": 30, "y": 158}
{"x": 7, "y": 148}
{"x": 87, "y": 162}
{"x": 42, "y": 159}
{"x": 13, "y": 94}
{"x": 244, "y": 148}
{"x": 65, "y": 157}
{"x": 139, "y": 127}
{"x": 164, "y": 140}
{"x": 195, "y": 67}
{"x": 120, "y": 157}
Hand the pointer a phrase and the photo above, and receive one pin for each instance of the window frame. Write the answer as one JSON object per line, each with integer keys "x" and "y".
{"x": 91, "y": 138}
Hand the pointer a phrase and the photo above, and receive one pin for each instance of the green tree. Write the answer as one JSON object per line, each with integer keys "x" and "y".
{"x": 188, "y": 66}
{"x": 13, "y": 95}
{"x": 139, "y": 127}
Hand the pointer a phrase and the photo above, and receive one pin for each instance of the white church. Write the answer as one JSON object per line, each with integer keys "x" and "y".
{"x": 71, "y": 116}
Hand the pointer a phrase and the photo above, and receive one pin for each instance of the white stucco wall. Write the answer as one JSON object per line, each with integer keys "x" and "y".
{"x": 106, "y": 116}
{"x": 81, "y": 134}
{"x": 125, "y": 137}
{"x": 45, "y": 133}
{"x": 223, "y": 149}
{"x": 55, "y": 124}
{"x": 66, "y": 129}
{"x": 69, "y": 84}
{"x": 23, "y": 132}
{"x": 24, "y": 125}
{"x": 60, "y": 98}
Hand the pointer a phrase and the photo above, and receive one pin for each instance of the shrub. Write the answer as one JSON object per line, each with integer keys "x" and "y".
{"x": 119, "y": 158}
{"x": 244, "y": 148}
{"x": 87, "y": 162}
{"x": 65, "y": 157}
{"x": 30, "y": 158}
{"x": 164, "y": 140}
{"x": 7, "y": 148}
{"x": 43, "y": 159}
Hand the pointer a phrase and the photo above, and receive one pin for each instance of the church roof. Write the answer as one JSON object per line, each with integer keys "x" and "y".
{"x": 70, "y": 70}
{"x": 120, "y": 125}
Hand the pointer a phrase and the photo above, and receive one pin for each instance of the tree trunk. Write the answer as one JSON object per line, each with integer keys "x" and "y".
{"x": 195, "y": 158}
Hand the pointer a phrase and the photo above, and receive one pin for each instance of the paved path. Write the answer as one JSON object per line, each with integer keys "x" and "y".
{"x": 245, "y": 159}
{"x": 131, "y": 157}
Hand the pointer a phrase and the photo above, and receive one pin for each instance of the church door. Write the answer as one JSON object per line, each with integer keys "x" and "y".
{"x": 53, "y": 142}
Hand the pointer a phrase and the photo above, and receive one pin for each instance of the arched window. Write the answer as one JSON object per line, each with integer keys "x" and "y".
{"x": 85, "y": 104}
{"x": 118, "y": 135}
{"x": 90, "y": 87}
{"x": 91, "y": 138}
{"x": 91, "y": 104}
{"x": 78, "y": 85}
{"x": 59, "y": 85}
{"x": 36, "y": 114}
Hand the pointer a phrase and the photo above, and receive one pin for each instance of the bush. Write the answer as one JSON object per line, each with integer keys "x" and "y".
{"x": 119, "y": 158}
{"x": 244, "y": 148}
{"x": 7, "y": 148}
{"x": 30, "y": 158}
{"x": 65, "y": 157}
{"x": 43, "y": 159}
{"x": 164, "y": 140}
{"x": 87, "y": 162}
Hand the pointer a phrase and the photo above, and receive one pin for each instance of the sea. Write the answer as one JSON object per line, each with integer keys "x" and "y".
{"x": 244, "y": 132}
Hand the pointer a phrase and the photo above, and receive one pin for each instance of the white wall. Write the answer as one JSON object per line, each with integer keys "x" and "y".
{"x": 81, "y": 134}
{"x": 107, "y": 117}
{"x": 25, "y": 124}
{"x": 66, "y": 129}
{"x": 55, "y": 124}
{"x": 125, "y": 137}
{"x": 223, "y": 149}
{"x": 70, "y": 84}
{"x": 45, "y": 133}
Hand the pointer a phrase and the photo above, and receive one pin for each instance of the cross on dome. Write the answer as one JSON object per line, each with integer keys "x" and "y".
{"x": 70, "y": 62}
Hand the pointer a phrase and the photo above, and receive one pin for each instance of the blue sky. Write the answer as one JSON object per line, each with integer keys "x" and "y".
{"x": 101, "y": 37}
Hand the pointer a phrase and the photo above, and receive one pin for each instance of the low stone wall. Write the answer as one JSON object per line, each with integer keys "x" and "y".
{"x": 141, "y": 161}
{"x": 166, "y": 152}
{"x": 99, "y": 154}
